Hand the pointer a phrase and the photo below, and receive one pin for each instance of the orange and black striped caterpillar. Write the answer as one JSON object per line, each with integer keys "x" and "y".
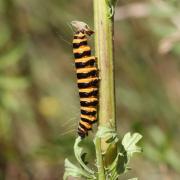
{"x": 87, "y": 77}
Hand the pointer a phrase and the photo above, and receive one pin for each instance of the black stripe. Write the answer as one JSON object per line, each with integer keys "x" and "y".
{"x": 88, "y": 121}
{"x": 86, "y": 104}
{"x": 79, "y": 37}
{"x": 92, "y": 73}
{"x": 83, "y": 54}
{"x": 90, "y": 62}
{"x": 88, "y": 84}
{"x": 81, "y": 133}
{"x": 77, "y": 45}
{"x": 88, "y": 94}
{"x": 84, "y": 127}
{"x": 88, "y": 112}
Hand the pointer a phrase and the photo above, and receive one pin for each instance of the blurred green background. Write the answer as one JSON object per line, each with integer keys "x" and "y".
{"x": 39, "y": 103}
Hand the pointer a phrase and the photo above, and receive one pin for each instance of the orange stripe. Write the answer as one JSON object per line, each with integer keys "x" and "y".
{"x": 89, "y": 109}
{"x": 85, "y": 59}
{"x": 86, "y": 70}
{"x": 87, "y": 125}
{"x": 79, "y": 35}
{"x": 88, "y": 90}
{"x": 79, "y": 40}
{"x": 90, "y": 118}
{"x": 81, "y": 49}
{"x": 91, "y": 99}
{"x": 86, "y": 80}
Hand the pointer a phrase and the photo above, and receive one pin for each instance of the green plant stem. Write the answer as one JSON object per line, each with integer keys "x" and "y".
{"x": 103, "y": 23}
{"x": 100, "y": 165}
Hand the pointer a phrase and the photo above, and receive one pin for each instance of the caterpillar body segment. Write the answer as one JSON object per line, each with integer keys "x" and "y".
{"x": 87, "y": 77}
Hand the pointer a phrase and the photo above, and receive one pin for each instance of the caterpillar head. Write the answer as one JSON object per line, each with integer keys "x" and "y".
{"x": 79, "y": 26}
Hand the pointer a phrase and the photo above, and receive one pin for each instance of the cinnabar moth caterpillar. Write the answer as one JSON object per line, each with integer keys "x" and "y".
{"x": 87, "y": 77}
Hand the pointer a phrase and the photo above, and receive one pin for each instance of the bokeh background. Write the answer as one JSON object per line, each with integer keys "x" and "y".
{"x": 39, "y": 103}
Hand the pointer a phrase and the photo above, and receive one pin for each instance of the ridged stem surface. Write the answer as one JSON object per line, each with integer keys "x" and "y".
{"x": 104, "y": 50}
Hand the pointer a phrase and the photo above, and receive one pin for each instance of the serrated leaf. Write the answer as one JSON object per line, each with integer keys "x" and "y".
{"x": 129, "y": 142}
{"x": 128, "y": 147}
{"x": 118, "y": 166}
{"x": 78, "y": 151}
{"x": 107, "y": 133}
{"x": 74, "y": 171}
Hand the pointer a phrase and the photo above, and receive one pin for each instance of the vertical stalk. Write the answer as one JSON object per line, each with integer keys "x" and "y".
{"x": 100, "y": 164}
{"x": 104, "y": 49}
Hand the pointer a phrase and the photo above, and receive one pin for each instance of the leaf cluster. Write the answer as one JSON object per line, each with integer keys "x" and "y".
{"x": 126, "y": 149}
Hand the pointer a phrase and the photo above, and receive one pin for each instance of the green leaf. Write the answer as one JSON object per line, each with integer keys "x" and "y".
{"x": 78, "y": 151}
{"x": 118, "y": 166}
{"x": 5, "y": 125}
{"x": 172, "y": 158}
{"x": 9, "y": 101}
{"x": 111, "y": 7}
{"x": 133, "y": 179}
{"x": 111, "y": 2}
{"x": 107, "y": 133}
{"x": 83, "y": 157}
{"x": 152, "y": 152}
{"x": 158, "y": 137}
{"x": 129, "y": 142}
{"x": 13, "y": 82}
{"x": 74, "y": 171}
{"x": 127, "y": 148}
{"x": 4, "y": 35}
{"x": 13, "y": 56}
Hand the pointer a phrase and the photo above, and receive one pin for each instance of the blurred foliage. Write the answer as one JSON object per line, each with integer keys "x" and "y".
{"x": 39, "y": 104}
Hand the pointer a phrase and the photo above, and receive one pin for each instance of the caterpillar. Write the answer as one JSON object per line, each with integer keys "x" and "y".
{"x": 87, "y": 77}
